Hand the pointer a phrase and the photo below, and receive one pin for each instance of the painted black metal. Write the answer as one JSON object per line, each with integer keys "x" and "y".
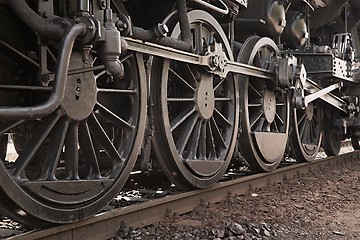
{"x": 37, "y": 23}
{"x": 151, "y": 35}
{"x": 58, "y": 92}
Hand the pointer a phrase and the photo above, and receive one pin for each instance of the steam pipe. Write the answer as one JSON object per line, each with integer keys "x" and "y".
{"x": 60, "y": 80}
{"x": 34, "y": 21}
{"x": 184, "y": 44}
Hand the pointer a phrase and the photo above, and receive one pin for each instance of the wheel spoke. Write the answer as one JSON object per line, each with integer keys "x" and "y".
{"x": 112, "y": 117}
{"x": 219, "y": 116}
{"x": 218, "y": 85}
{"x": 88, "y": 149}
{"x": 126, "y": 57}
{"x": 252, "y": 88}
{"x": 255, "y": 118}
{"x": 223, "y": 99}
{"x": 38, "y": 138}
{"x": 260, "y": 125}
{"x": 180, "y": 99}
{"x": 202, "y": 141}
{"x": 255, "y": 105}
{"x": 100, "y": 74}
{"x": 304, "y": 132}
{"x": 175, "y": 75}
{"x": 179, "y": 119}
{"x": 195, "y": 141}
{"x": 217, "y": 133}
{"x": 86, "y": 69}
{"x": 57, "y": 138}
{"x": 276, "y": 127}
{"x": 72, "y": 152}
{"x": 8, "y": 125}
{"x": 102, "y": 137}
{"x": 279, "y": 118}
{"x": 211, "y": 141}
{"x": 184, "y": 137}
{"x": 121, "y": 91}
{"x": 18, "y": 54}
{"x": 314, "y": 132}
{"x": 301, "y": 119}
{"x": 301, "y": 129}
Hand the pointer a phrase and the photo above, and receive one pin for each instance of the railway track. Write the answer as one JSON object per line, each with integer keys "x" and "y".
{"x": 106, "y": 225}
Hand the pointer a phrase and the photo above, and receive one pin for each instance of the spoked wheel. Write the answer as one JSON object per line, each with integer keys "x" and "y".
{"x": 332, "y": 136}
{"x": 265, "y": 111}
{"x": 196, "y": 113}
{"x": 74, "y": 160}
{"x": 307, "y": 132}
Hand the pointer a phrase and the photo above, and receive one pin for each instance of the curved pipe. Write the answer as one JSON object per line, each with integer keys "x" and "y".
{"x": 60, "y": 81}
{"x": 34, "y": 21}
{"x": 184, "y": 44}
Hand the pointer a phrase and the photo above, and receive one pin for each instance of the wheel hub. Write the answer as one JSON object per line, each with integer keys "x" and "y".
{"x": 269, "y": 105}
{"x": 80, "y": 93}
{"x": 205, "y": 98}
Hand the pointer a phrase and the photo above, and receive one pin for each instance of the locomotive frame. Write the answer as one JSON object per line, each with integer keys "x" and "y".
{"x": 88, "y": 85}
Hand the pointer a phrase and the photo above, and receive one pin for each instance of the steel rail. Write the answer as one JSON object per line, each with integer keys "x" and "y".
{"x": 106, "y": 225}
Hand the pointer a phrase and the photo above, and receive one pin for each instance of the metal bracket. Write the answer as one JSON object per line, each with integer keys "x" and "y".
{"x": 310, "y": 98}
{"x": 329, "y": 98}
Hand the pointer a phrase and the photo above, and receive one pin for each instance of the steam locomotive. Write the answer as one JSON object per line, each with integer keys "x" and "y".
{"x": 90, "y": 89}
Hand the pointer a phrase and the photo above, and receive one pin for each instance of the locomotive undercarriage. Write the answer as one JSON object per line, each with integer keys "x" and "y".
{"x": 76, "y": 98}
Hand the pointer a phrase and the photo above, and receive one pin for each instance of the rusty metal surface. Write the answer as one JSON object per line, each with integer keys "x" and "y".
{"x": 105, "y": 226}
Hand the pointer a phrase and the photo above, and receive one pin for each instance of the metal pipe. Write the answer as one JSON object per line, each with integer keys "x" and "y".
{"x": 183, "y": 20}
{"x": 34, "y": 21}
{"x": 84, "y": 6}
{"x": 184, "y": 44}
{"x": 60, "y": 81}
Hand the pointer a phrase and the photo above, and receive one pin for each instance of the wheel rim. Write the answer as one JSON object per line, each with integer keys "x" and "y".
{"x": 197, "y": 112}
{"x": 265, "y": 111}
{"x": 355, "y": 143}
{"x": 307, "y": 132}
{"x": 332, "y": 135}
{"x": 73, "y": 161}
{"x": 332, "y": 143}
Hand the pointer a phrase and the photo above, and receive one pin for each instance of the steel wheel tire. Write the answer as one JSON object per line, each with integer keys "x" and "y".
{"x": 195, "y": 120}
{"x": 264, "y": 111}
{"x": 75, "y": 160}
{"x": 307, "y": 132}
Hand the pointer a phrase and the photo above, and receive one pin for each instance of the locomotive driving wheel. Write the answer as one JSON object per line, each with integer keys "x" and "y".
{"x": 265, "y": 110}
{"x": 196, "y": 113}
{"x": 333, "y": 135}
{"x": 307, "y": 132}
{"x": 355, "y": 142}
{"x": 74, "y": 160}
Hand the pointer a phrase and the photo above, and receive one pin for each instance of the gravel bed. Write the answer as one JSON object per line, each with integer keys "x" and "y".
{"x": 324, "y": 204}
